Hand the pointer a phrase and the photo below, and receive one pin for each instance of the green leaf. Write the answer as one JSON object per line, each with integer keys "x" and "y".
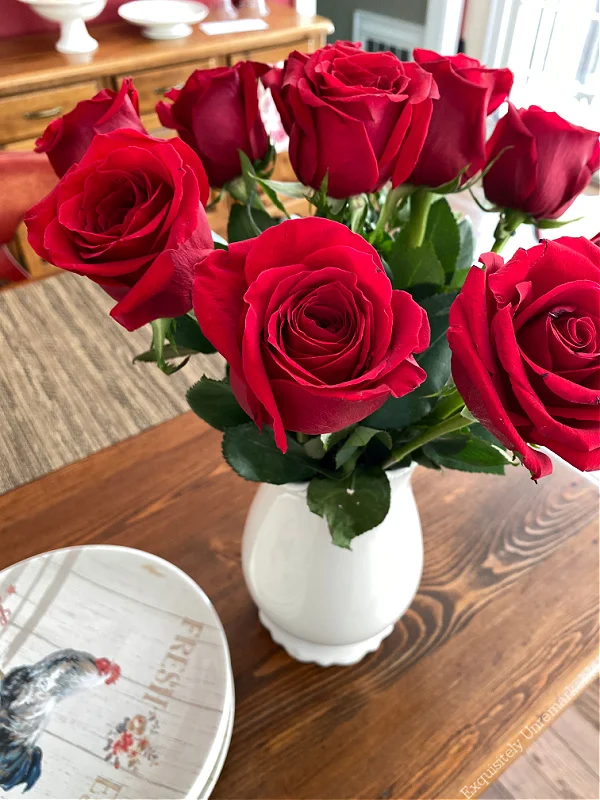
{"x": 443, "y": 233}
{"x": 352, "y": 505}
{"x": 240, "y": 228}
{"x": 466, "y": 250}
{"x": 398, "y": 412}
{"x": 544, "y": 224}
{"x": 314, "y": 447}
{"x": 468, "y": 454}
{"x": 188, "y": 335}
{"x": 247, "y": 174}
{"x": 215, "y": 403}
{"x": 436, "y": 359}
{"x": 149, "y": 356}
{"x": 287, "y": 189}
{"x": 359, "y": 438}
{"x": 414, "y": 267}
{"x": 331, "y": 439}
{"x": 272, "y": 195}
{"x": 256, "y": 457}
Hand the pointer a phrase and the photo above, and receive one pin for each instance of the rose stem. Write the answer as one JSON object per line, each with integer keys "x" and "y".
{"x": 447, "y": 426}
{"x": 508, "y": 224}
{"x": 420, "y": 203}
{"x": 394, "y": 196}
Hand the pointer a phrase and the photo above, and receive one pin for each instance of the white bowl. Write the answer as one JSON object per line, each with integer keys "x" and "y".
{"x": 164, "y": 19}
{"x": 71, "y": 14}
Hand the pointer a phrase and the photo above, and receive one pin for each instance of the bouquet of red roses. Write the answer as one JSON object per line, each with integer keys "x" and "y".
{"x": 361, "y": 338}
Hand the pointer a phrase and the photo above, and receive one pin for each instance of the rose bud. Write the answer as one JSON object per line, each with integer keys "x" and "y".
{"x": 130, "y": 217}
{"x": 217, "y": 114}
{"x": 548, "y": 163}
{"x": 469, "y": 92}
{"x": 67, "y": 138}
{"x": 315, "y": 337}
{"x": 359, "y": 118}
{"x": 525, "y": 341}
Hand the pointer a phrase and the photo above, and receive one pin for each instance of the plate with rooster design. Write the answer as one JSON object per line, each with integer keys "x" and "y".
{"x": 115, "y": 678}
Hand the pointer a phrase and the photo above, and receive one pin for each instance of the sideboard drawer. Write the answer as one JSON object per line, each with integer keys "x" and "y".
{"x": 273, "y": 55}
{"x": 24, "y": 116}
{"x": 152, "y": 84}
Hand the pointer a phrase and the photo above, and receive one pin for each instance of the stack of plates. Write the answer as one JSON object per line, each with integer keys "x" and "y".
{"x": 117, "y": 680}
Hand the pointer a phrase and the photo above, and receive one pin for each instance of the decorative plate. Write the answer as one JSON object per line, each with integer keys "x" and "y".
{"x": 115, "y": 679}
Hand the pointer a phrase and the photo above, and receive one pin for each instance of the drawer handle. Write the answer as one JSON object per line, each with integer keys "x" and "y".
{"x": 44, "y": 114}
{"x": 165, "y": 89}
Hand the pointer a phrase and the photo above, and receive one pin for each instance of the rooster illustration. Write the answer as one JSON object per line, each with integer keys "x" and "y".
{"x": 28, "y": 696}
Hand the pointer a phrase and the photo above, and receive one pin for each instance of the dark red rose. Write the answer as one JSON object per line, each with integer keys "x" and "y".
{"x": 456, "y": 138}
{"x": 217, "y": 114}
{"x": 67, "y": 138}
{"x": 360, "y": 117}
{"x": 314, "y": 335}
{"x": 548, "y": 164}
{"x": 129, "y": 216}
{"x": 525, "y": 341}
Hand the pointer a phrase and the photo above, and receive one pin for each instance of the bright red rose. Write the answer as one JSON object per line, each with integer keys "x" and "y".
{"x": 217, "y": 114}
{"x": 314, "y": 335}
{"x": 360, "y": 117}
{"x": 129, "y": 216}
{"x": 548, "y": 164}
{"x": 456, "y": 138}
{"x": 525, "y": 341}
{"x": 67, "y": 138}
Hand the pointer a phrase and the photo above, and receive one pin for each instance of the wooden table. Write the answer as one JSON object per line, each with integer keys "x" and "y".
{"x": 504, "y": 626}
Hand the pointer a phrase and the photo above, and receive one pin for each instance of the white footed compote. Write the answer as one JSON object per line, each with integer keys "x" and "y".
{"x": 323, "y": 603}
{"x": 72, "y": 16}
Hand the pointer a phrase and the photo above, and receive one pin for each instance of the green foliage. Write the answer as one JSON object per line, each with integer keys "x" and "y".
{"x": 467, "y": 453}
{"x": 187, "y": 335}
{"x": 443, "y": 233}
{"x": 256, "y": 457}
{"x": 214, "y": 402}
{"x": 246, "y": 222}
{"x": 399, "y": 412}
{"x": 352, "y": 505}
{"x": 466, "y": 250}
{"x": 414, "y": 267}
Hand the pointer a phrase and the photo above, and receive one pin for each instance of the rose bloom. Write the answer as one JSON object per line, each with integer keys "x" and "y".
{"x": 67, "y": 138}
{"x": 469, "y": 92}
{"x": 217, "y": 114}
{"x": 525, "y": 341}
{"x": 361, "y": 118}
{"x": 130, "y": 217}
{"x": 548, "y": 164}
{"x": 314, "y": 335}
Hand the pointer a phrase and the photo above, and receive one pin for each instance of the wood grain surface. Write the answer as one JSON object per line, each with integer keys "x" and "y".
{"x": 31, "y": 62}
{"x": 505, "y": 623}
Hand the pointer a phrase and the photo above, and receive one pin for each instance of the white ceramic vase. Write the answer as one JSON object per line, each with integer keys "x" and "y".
{"x": 320, "y": 602}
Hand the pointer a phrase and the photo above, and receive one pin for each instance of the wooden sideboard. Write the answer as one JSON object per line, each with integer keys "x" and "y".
{"x": 38, "y": 84}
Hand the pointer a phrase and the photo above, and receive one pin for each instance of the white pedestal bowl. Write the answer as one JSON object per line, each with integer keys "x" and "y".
{"x": 72, "y": 16}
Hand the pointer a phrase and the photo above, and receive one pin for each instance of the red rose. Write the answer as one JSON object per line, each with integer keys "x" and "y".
{"x": 130, "y": 217}
{"x": 548, "y": 164}
{"x": 360, "y": 117}
{"x": 525, "y": 341}
{"x": 456, "y": 138}
{"x": 217, "y": 114}
{"x": 314, "y": 335}
{"x": 67, "y": 138}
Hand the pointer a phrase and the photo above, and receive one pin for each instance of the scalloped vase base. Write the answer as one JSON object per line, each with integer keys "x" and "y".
{"x": 339, "y": 655}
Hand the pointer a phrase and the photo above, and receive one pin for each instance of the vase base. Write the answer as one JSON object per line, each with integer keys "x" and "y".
{"x": 339, "y": 655}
